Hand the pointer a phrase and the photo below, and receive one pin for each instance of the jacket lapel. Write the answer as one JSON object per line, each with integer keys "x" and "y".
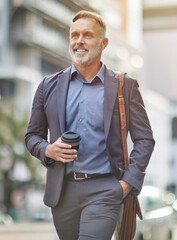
{"x": 62, "y": 89}
{"x": 110, "y": 96}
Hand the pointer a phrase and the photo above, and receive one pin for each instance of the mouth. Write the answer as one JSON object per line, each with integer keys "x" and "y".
{"x": 80, "y": 50}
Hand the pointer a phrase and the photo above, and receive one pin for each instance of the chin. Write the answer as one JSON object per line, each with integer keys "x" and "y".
{"x": 81, "y": 62}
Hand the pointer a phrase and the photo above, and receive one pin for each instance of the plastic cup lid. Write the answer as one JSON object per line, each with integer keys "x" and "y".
{"x": 71, "y": 137}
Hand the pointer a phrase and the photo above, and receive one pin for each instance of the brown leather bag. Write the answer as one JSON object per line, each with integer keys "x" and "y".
{"x": 131, "y": 206}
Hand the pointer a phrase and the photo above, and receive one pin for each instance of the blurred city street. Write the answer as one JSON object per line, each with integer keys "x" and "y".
{"x": 28, "y": 231}
{"x": 36, "y": 231}
{"x": 34, "y": 40}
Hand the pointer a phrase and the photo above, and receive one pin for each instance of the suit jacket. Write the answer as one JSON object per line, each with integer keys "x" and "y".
{"x": 48, "y": 113}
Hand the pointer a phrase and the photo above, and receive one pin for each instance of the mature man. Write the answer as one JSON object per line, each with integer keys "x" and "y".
{"x": 85, "y": 188}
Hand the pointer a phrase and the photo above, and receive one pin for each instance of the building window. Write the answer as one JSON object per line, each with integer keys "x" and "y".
{"x": 49, "y": 67}
{"x": 7, "y": 89}
{"x": 174, "y": 128}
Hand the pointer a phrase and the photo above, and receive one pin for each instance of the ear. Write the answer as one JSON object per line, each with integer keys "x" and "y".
{"x": 104, "y": 43}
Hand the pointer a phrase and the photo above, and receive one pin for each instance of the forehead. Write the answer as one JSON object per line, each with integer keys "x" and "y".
{"x": 85, "y": 24}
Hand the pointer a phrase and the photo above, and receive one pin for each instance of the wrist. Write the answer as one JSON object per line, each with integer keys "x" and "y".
{"x": 47, "y": 151}
{"x": 48, "y": 160}
{"x": 126, "y": 184}
{"x": 126, "y": 187}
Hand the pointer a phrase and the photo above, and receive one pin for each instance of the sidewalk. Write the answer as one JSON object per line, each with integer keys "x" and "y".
{"x": 28, "y": 231}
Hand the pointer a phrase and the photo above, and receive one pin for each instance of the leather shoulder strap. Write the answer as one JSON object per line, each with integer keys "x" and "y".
{"x": 121, "y": 106}
{"x": 133, "y": 203}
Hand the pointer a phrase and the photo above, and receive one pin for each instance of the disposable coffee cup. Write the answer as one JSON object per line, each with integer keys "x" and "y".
{"x": 71, "y": 138}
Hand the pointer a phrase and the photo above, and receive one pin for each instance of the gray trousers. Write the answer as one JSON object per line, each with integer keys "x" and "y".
{"x": 88, "y": 209}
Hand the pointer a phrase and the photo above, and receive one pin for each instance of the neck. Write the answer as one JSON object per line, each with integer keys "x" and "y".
{"x": 88, "y": 72}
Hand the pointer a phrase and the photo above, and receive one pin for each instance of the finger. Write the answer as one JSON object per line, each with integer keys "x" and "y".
{"x": 68, "y": 151}
{"x": 65, "y": 160}
{"x": 62, "y": 144}
{"x": 68, "y": 156}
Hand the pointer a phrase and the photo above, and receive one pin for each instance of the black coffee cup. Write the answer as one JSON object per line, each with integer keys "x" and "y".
{"x": 71, "y": 138}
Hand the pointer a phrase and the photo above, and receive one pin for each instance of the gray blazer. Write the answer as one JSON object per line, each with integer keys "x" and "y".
{"x": 48, "y": 113}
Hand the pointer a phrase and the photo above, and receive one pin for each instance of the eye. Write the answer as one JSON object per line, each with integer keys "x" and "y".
{"x": 74, "y": 35}
{"x": 88, "y": 35}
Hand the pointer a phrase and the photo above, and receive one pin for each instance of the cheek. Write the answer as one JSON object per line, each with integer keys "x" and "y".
{"x": 91, "y": 46}
{"x": 71, "y": 44}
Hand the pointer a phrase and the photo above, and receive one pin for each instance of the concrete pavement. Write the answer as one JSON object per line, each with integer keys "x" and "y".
{"x": 36, "y": 231}
{"x": 28, "y": 231}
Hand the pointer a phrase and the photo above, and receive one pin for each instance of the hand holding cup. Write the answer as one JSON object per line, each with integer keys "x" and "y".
{"x": 65, "y": 148}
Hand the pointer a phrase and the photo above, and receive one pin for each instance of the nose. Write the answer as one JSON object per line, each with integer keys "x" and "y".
{"x": 80, "y": 40}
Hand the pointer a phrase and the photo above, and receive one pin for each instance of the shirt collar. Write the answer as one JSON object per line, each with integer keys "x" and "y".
{"x": 100, "y": 73}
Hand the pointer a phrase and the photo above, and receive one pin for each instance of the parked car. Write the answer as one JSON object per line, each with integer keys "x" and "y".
{"x": 5, "y": 218}
{"x": 158, "y": 217}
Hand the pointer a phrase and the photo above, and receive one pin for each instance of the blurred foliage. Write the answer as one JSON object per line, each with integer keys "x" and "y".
{"x": 12, "y": 145}
{"x": 18, "y": 169}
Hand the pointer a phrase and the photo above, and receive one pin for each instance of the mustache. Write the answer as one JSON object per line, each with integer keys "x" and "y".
{"x": 83, "y": 47}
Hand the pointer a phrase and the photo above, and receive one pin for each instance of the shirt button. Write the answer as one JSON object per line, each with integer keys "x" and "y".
{"x": 80, "y": 120}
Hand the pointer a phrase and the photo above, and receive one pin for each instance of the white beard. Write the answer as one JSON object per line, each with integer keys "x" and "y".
{"x": 90, "y": 56}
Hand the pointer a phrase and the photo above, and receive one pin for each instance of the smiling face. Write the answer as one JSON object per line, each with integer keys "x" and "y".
{"x": 86, "y": 42}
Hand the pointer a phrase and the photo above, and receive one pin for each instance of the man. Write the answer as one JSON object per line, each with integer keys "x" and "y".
{"x": 85, "y": 188}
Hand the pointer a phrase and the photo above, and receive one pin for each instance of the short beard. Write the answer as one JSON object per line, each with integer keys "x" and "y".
{"x": 88, "y": 58}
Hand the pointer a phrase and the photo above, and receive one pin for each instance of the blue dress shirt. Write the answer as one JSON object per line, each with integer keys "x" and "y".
{"x": 84, "y": 115}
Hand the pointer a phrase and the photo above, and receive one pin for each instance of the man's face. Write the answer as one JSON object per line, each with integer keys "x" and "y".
{"x": 86, "y": 43}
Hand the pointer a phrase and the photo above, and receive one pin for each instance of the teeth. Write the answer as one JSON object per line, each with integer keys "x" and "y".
{"x": 80, "y": 50}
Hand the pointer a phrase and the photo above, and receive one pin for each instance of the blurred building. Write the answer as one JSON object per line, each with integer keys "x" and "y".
{"x": 159, "y": 112}
{"x": 34, "y": 42}
{"x": 160, "y": 37}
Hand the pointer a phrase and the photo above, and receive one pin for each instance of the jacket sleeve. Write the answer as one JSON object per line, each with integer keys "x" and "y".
{"x": 142, "y": 138}
{"x": 37, "y": 132}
